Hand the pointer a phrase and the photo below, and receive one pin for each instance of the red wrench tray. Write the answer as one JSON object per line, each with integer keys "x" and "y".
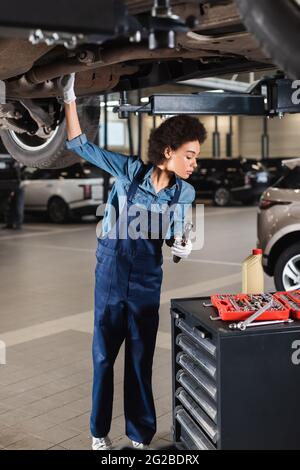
{"x": 241, "y": 306}
{"x": 292, "y": 301}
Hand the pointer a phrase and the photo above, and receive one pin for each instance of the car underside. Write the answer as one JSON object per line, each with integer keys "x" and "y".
{"x": 123, "y": 46}
{"x": 216, "y": 42}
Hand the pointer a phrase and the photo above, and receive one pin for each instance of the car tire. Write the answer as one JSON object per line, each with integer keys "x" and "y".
{"x": 222, "y": 197}
{"x": 58, "y": 210}
{"x": 276, "y": 28}
{"x": 37, "y": 153}
{"x": 282, "y": 280}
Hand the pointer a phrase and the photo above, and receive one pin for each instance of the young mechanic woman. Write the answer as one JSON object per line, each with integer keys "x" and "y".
{"x": 128, "y": 271}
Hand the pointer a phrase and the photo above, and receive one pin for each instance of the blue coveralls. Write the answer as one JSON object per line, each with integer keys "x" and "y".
{"x": 127, "y": 293}
{"x": 127, "y": 297}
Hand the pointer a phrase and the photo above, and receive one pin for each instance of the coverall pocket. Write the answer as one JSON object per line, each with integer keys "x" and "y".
{"x": 103, "y": 274}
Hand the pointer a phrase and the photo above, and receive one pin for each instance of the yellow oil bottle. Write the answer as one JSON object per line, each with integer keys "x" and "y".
{"x": 253, "y": 274}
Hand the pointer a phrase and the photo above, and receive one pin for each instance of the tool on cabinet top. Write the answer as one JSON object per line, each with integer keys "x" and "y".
{"x": 255, "y": 310}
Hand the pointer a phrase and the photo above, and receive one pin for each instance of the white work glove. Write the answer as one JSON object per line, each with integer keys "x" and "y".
{"x": 66, "y": 86}
{"x": 181, "y": 251}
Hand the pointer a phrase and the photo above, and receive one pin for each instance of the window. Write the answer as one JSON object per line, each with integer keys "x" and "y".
{"x": 39, "y": 174}
{"x": 116, "y": 134}
{"x": 291, "y": 180}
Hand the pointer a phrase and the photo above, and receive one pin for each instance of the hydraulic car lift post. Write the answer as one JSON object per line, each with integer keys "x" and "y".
{"x": 269, "y": 97}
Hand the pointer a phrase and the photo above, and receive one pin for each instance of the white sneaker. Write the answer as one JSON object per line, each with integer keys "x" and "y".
{"x": 101, "y": 443}
{"x": 140, "y": 446}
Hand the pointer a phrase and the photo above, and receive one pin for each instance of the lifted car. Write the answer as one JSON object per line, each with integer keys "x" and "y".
{"x": 117, "y": 45}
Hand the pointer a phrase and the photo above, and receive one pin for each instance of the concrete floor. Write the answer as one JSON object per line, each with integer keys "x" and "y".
{"x": 46, "y": 318}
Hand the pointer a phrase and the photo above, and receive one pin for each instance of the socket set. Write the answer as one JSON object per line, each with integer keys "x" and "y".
{"x": 241, "y": 306}
{"x": 292, "y": 301}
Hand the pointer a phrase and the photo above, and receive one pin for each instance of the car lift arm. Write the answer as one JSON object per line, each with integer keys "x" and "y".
{"x": 268, "y": 97}
{"x": 93, "y": 21}
{"x": 67, "y": 23}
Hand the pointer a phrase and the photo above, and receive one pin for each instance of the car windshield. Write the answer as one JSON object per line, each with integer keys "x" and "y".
{"x": 290, "y": 181}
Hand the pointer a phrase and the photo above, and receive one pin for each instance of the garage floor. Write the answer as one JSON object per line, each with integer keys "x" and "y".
{"x": 46, "y": 318}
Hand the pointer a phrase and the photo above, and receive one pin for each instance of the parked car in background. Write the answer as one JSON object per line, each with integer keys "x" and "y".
{"x": 275, "y": 168}
{"x": 74, "y": 191}
{"x": 232, "y": 179}
{"x": 279, "y": 229}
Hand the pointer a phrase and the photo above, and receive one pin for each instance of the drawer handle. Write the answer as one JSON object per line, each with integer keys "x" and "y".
{"x": 175, "y": 313}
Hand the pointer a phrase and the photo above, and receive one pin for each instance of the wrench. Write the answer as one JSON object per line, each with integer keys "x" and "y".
{"x": 185, "y": 237}
{"x": 215, "y": 318}
{"x": 244, "y": 324}
{"x": 271, "y": 322}
{"x": 234, "y": 304}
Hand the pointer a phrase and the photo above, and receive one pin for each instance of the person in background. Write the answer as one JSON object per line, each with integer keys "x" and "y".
{"x": 14, "y": 214}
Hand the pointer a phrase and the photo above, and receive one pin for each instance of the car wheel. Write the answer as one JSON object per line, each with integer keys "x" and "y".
{"x": 222, "y": 197}
{"x": 36, "y": 152}
{"x": 58, "y": 210}
{"x": 277, "y": 30}
{"x": 287, "y": 269}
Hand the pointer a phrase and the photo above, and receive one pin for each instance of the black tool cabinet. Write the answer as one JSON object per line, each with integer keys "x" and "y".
{"x": 232, "y": 389}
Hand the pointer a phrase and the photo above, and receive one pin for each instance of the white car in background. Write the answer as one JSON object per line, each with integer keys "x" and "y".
{"x": 74, "y": 191}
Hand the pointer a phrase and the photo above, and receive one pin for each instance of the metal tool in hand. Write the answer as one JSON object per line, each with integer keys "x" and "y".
{"x": 244, "y": 324}
{"x": 185, "y": 237}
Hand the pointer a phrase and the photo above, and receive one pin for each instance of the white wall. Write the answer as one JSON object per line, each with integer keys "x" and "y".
{"x": 223, "y": 127}
{"x": 284, "y": 136}
{"x": 209, "y": 123}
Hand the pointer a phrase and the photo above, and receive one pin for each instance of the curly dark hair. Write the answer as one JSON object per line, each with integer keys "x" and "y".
{"x": 174, "y": 133}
